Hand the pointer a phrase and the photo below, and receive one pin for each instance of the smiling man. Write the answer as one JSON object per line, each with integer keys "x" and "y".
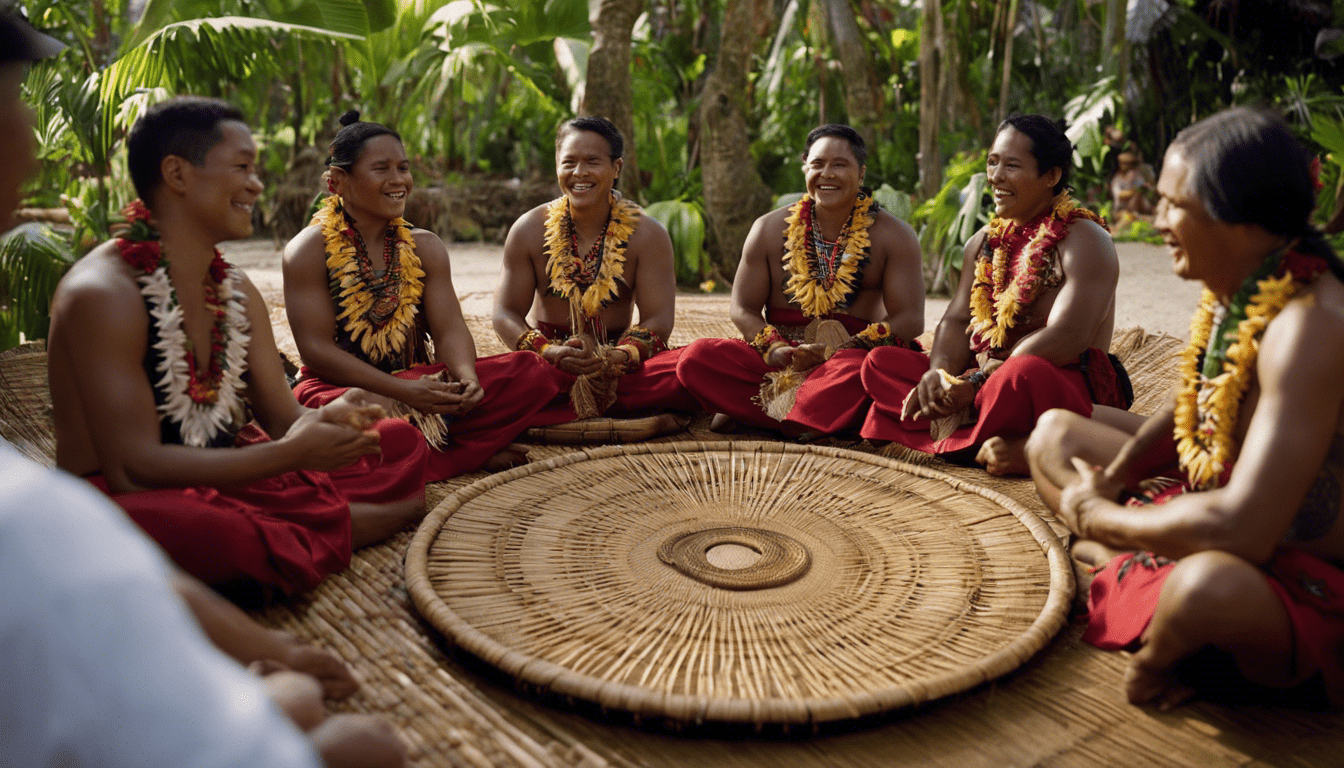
{"x": 160, "y": 351}
{"x": 833, "y": 255}
{"x": 1231, "y": 495}
{"x": 583, "y": 262}
{"x": 1029, "y": 326}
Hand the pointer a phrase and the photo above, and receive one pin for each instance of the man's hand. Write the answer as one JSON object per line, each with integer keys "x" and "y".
{"x": 1092, "y": 483}
{"x": 939, "y": 398}
{"x": 330, "y": 671}
{"x": 472, "y": 394}
{"x": 325, "y": 446}
{"x": 780, "y": 356}
{"x": 571, "y": 357}
{"x": 354, "y": 408}
{"x": 358, "y": 741}
{"x": 807, "y": 356}
{"x": 427, "y": 394}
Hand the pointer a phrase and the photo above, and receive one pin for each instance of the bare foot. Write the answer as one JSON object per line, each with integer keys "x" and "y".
{"x": 371, "y": 523}
{"x": 1001, "y": 456}
{"x": 1144, "y": 684}
{"x": 722, "y": 423}
{"x": 511, "y": 455}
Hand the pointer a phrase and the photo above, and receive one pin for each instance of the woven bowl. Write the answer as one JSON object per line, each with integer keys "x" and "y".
{"x": 739, "y": 581}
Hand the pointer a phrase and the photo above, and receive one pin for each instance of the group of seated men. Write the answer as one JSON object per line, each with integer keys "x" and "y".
{"x": 241, "y": 478}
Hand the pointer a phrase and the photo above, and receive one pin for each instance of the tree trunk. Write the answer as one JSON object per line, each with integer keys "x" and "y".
{"x": 607, "y": 91}
{"x": 930, "y": 158}
{"x": 735, "y": 195}
{"x": 1009, "y": 32}
{"x": 862, "y": 99}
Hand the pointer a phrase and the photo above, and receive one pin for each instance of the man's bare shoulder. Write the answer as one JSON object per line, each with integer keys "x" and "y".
{"x": 528, "y": 233}
{"x": 431, "y": 249}
{"x": 1090, "y": 239}
{"x": 308, "y": 244}
{"x": 774, "y": 220}
{"x": 1312, "y": 323}
{"x": 100, "y": 275}
{"x": 649, "y": 232}
{"x": 892, "y": 232}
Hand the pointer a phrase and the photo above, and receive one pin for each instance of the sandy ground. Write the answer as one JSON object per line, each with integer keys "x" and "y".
{"x": 1149, "y": 295}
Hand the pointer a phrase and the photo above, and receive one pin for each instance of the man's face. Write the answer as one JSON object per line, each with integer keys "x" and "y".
{"x": 832, "y": 173}
{"x": 379, "y": 182}
{"x": 18, "y": 149}
{"x": 1020, "y": 189}
{"x": 1193, "y": 237}
{"x": 222, "y": 190}
{"x": 584, "y": 168}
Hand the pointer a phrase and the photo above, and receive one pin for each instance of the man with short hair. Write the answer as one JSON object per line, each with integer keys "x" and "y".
{"x": 835, "y": 256}
{"x": 1029, "y": 326}
{"x": 583, "y": 262}
{"x": 99, "y": 662}
{"x": 149, "y": 408}
{"x": 1231, "y": 493}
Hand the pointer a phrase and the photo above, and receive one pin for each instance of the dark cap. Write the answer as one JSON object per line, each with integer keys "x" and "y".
{"x": 19, "y": 41}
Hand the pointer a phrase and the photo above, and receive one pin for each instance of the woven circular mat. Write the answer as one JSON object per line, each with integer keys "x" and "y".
{"x": 740, "y": 581}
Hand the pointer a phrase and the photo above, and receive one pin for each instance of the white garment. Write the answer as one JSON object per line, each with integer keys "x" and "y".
{"x": 101, "y": 665}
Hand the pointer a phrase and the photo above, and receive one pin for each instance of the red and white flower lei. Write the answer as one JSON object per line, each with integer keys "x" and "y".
{"x": 203, "y": 407}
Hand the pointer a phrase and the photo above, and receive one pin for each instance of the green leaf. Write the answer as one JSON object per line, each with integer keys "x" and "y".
{"x": 33, "y": 258}
{"x": 894, "y": 201}
{"x": 685, "y": 224}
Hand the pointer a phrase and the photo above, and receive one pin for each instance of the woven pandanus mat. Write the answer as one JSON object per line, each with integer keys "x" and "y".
{"x": 740, "y": 581}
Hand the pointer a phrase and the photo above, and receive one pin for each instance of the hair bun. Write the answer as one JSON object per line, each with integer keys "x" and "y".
{"x": 350, "y": 117}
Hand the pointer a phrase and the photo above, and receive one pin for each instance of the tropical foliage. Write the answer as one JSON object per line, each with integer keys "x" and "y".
{"x": 476, "y": 88}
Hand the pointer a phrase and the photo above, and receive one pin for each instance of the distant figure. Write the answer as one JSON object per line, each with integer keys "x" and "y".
{"x": 1132, "y": 185}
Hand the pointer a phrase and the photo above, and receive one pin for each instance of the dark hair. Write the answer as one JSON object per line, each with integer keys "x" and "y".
{"x": 183, "y": 126}
{"x": 599, "y": 125}
{"x": 856, "y": 144}
{"x": 1246, "y": 167}
{"x": 19, "y": 41}
{"x": 1049, "y": 145}
{"x": 350, "y": 140}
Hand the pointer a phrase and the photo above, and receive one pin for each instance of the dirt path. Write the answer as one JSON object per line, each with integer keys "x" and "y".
{"x": 1149, "y": 294}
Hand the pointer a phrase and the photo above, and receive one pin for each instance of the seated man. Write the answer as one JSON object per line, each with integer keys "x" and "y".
{"x": 1232, "y": 492}
{"x": 584, "y": 261}
{"x": 367, "y": 319}
{"x": 147, "y": 420}
{"x": 833, "y": 255}
{"x": 1036, "y": 305}
{"x": 1131, "y": 185}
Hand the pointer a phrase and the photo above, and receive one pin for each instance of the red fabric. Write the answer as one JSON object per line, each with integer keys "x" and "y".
{"x": 1009, "y": 403}
{"x": 517, "y": 385}
{"x": 288, "y": 531}
{"x": 795, "y": 317}
{"x": 723, "y": 375}
{"x": 654, "y": 387}
{"x": 1312, "y": 590}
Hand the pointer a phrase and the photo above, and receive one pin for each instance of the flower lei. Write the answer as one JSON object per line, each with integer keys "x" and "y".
{"x": 1006, "y": 285}
{"x": 381, "y": 326}
{"x": 205, "y": 407}
{"x": 1216, "y": 368}
{"x": 591, "y": 277}
{"x": 816, "y": 284}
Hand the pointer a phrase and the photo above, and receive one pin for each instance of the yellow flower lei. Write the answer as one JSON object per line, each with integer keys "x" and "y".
{"x": 803, "y": 288}
{"x": 1207, "y": 409}
{"x": 562, "y": 264}
{"x": 995, "y": 300}
{"x": 377, "y": 343}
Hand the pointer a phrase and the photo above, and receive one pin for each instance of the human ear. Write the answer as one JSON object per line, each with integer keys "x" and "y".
{"x": 173, "y": 169}
{"x": 1054, "y": 175}
{"x": 619, "y": 163}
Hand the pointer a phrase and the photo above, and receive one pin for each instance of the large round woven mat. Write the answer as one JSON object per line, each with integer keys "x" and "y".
{"x": 740, "y": 582}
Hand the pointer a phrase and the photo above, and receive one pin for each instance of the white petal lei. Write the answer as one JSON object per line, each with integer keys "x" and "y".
{"x": 199, "y": 421}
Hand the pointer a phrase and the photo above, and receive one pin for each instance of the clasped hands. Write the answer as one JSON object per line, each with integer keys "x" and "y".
{"x": 576, "y": 358}
{"x": 803, "y": 357}
{"x": 1078, "y": 498}
{"x": 339, "y": 433}
{"x": 428, "y": 394}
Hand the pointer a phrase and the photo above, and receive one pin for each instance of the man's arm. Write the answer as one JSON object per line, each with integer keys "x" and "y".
{"x": 312, "y": 318}
{"x": 951, "y": 350}
{"x": 517, "y": 286}
{"x": 655, "y": 277}
{"x": 752, "y": 283}
{"x": 453, "y": 344}
{"x": 1295, "y": 420}
{"x": 1091, "y": 272}
{"x": 902, "y": 277}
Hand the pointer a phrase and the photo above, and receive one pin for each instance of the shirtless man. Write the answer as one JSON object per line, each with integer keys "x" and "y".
{"x": 1240, "y": 549}
{"x": 1029, "y": 326}
{"x": 833, "y": 255}
{"x": 366, "y": 317}
{"x": 154, "y": 425}
{"x": 588, "y": 259}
